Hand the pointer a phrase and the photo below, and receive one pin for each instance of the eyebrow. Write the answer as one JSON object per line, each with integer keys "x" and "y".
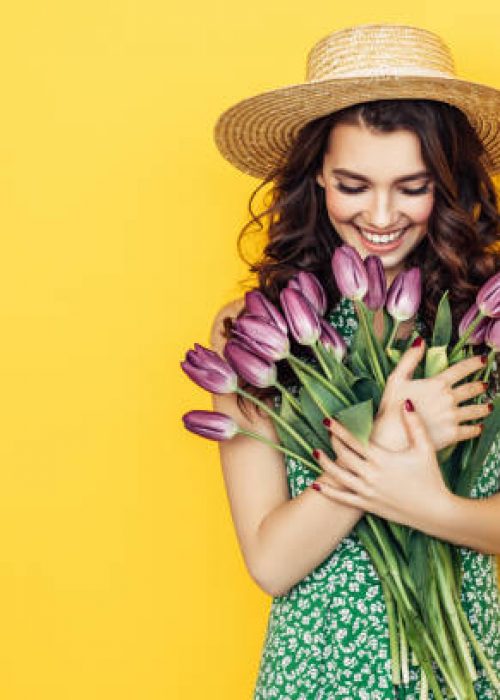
{"x": 357, "y": 176}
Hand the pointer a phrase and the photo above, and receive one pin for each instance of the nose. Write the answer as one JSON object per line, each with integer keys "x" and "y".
{"x": 380, "y": 215}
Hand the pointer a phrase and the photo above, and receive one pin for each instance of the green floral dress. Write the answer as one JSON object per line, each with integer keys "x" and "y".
{"x": 327, "y": 638}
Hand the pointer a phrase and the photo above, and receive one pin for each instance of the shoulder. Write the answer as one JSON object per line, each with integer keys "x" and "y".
{"x": 229, "y": 310}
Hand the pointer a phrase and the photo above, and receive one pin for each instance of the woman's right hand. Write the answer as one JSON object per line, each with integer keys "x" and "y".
{"x": 436, "y": 400}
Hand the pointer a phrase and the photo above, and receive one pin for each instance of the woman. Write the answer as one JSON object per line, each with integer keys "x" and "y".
{"x": 362, "y": 154}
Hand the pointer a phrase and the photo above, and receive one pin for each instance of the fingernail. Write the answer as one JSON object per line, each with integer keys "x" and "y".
{"x": 316, "y": 486}
{"x": 480, "y": 426}
{"x": 484, "y": 359}
{"x": 409, "y": 405}
{"x": 316, "y": 454}
{"x": 485, "y": 385}
{"x": 417, "y": 342}
{"x": 327, "y": 422}
{"x": 490, "y": 407}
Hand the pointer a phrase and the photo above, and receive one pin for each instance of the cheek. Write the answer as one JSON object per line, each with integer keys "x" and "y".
{"x": 339, "y": 207}
{"x": 421, "y": 210}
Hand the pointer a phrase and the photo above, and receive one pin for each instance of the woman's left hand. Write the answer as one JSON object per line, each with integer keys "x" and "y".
{"x": 406, "y": 487}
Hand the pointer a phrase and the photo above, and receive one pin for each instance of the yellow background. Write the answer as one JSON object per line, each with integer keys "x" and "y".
{"x": 120, "y": 571}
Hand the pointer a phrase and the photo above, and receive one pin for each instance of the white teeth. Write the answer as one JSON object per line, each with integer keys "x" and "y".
{"x": 381, "y": 239}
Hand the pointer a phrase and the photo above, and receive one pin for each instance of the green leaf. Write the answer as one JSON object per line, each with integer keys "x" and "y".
{"x": 358, "y": 363}
{"x": 393, "y": 354}
{"x": 418, "y": 558}
{"x": 473, "y": 469}
{"x": 341, "y": 376}
{"x": 358, "y": 420}
{"x": 367, "y": 388}
{"x": 436, "y": 360}
{"x": 289, "y": 415}
{"x": 441, "y": 335}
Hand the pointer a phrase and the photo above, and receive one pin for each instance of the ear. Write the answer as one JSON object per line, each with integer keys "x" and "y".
{"x": 320, "y": 179}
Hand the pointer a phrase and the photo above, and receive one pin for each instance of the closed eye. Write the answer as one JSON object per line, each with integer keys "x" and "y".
{"x": 357, "y": 190}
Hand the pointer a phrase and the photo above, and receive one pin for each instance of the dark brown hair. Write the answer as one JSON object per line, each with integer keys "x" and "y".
{"x": 464, "y": 220}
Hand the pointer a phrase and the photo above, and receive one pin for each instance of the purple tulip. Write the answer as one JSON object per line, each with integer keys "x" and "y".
{"x": 377, "y": 286}
{"x": 259, "y": 305}
{"x": 254, "y": 369}
{"x": 210, "y": 424}
{"x": 332, "y": 339}
{"x": 301, "y": 316}
{"x": 488, "y": 297}
{"x": 207, "y": 369}
{"x": 349, "y": 272}
{"x": 262, "y": 337}
{"x": 405, "y": 292}
{"x": 492, "y": 335}
{"x": 311, "y": 288}
{"x": 477, "y": 335}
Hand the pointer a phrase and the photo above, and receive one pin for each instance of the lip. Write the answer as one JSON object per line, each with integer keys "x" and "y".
{"x": 381, "y": 247}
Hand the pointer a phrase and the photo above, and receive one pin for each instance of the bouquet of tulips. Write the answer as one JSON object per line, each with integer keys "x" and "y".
{"x": 420, "y": 575}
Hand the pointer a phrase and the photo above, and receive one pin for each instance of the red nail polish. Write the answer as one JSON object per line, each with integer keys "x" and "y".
{"x": 480, "y": 426}
{"x": 409, "y": 405}
{"x": 327, "y": 422}
{"x": 316, "y": 486}
{"x": 485, "y": 385}
{"x": 316, "y": 454}
{"x": 490, "y": 407}
{"x": 417, "y": 342}
{"x": 484, "y": 359}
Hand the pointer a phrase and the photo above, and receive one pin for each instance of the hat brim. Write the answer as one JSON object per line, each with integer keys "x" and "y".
{"x": 256, "y": 133}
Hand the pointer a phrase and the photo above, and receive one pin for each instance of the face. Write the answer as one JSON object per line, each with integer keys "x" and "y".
{"x": 376, "y": 183}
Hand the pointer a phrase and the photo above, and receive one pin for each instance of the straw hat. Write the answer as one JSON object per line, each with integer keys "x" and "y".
{"x": 357, "y": 64}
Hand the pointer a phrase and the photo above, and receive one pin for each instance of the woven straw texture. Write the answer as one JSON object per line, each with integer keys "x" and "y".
{"x": 353, "y": 65}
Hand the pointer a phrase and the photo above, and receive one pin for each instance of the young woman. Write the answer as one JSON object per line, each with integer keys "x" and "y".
{"x": 385, "y": 149}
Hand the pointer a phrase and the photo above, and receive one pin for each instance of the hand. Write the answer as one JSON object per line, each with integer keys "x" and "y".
{"x": 405, "y": 487}
{"x": 436, "y": 400}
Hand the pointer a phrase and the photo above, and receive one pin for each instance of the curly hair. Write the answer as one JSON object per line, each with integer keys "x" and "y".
{"x": 457, "y": 253}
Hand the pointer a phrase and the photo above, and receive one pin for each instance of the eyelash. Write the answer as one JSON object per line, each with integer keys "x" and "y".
{"x": 357, "y": 190}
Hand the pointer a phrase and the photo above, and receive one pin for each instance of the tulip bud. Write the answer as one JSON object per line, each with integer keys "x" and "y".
{"x": 477, "y": 335}
{"x": 207, "y": 369}
{"x": 492, "y": 335}
{"x": 349, "y": 272}
{"x": 377, "y": 286}
{"x": 301, "y": 317}
{"x": 262, "y": 337}
{"x": 332, "y": 340}
{"x": 311, "y": 288}
{"x": 488, "y": 297}
{"x": 259, "y": 305}
{"x": 210, "y": 424}
{"x": 403, "y": 297}
{"x": 252, "y": 368}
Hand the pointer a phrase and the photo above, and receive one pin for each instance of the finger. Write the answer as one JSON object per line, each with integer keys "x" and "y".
{"x": 473, "y": 411}
{"x": 469, "y": 390}
{"x": 409, "y": 360}
{"x": 340, "y": 431}
{"x": 467, "y": 432}
{"x": 348, "y": 498}
{"x": 346, "y": 457}
{"x": 418, "y": 434}
{"x": 461, "y": 369}
{"x": 343, "y": 475}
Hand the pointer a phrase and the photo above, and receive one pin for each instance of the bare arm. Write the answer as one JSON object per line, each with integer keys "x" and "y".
{"x": 281, "y": 539}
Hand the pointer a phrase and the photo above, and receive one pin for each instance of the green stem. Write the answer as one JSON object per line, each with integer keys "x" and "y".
{"x": 445, "y": 581}
{"x": 465, "y": 337}
{"x": 393, "y": 632}
{"x": 393, "y": 333}
{"x": 369, "y": 344}
{"x": 477, "y": 647}
{"x": 275, "y": 416}
{"x": 310, "y": 370}
{"x": 266, "y": 441}
{"x": 321, "y": 361}
{"x": 291, "y": 398}
{"x": 305, "y": 382}
{"x": 404, "y": 651}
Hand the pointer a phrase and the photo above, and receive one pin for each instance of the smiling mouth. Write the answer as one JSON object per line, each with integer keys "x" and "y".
{"x": 382, "y": 238}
